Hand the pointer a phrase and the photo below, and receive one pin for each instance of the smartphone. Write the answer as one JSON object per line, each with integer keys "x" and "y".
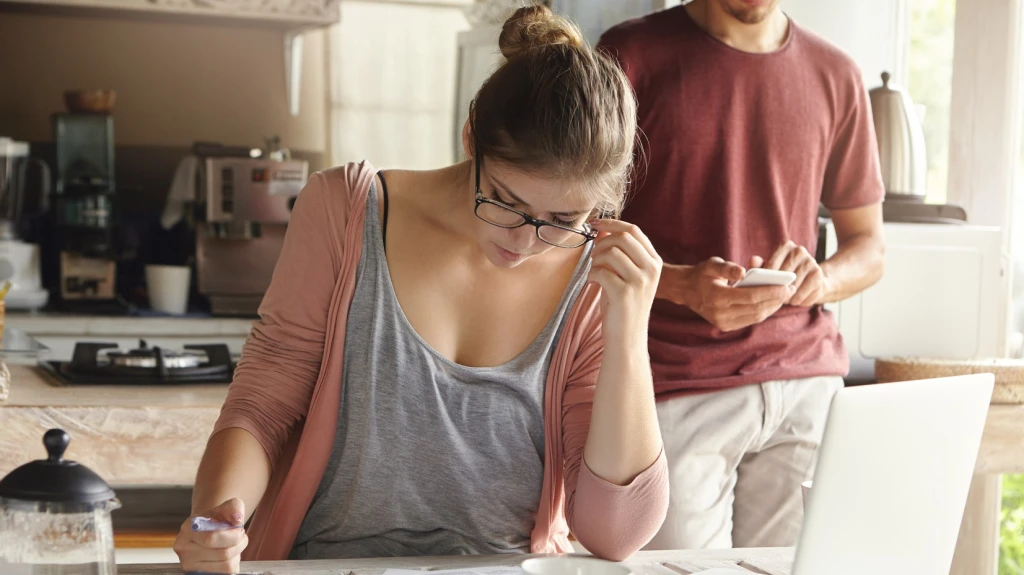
{"x": 758, "y": 277}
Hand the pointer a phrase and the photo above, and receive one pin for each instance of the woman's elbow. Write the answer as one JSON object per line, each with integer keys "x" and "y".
{"x": 622, "y": 536}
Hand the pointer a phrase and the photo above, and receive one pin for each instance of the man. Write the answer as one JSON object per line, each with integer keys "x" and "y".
{"x": 749, "y": 122}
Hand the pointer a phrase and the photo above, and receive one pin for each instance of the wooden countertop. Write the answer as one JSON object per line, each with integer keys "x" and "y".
{"x": 1002, "y": 445}
{"x": 32, "y": 386}
{"x": 774, "y": 561}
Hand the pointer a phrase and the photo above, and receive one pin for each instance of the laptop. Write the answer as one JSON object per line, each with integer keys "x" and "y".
{"x": 893, "y": 472}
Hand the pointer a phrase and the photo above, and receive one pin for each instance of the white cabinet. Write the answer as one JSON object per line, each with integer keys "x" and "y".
{"x": 943, "y": 295}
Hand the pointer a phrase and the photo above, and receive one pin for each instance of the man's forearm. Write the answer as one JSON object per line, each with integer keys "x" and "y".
{"x": 857, "y": 265}
{"x": 672, "y": 286}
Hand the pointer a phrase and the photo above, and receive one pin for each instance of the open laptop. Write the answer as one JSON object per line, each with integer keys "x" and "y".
{"x": 892, "y": 478}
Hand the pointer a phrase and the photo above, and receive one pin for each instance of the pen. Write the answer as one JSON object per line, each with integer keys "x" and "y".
{"x": 207, "y": 524}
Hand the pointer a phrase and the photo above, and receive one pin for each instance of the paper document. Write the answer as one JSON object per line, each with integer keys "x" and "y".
{"x": 504, "y": 570}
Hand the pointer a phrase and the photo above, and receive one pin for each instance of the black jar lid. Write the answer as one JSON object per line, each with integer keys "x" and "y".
{"x": 55, "y": 479}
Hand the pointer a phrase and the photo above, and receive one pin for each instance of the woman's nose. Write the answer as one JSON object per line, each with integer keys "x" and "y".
{"x": 522, "y": 238}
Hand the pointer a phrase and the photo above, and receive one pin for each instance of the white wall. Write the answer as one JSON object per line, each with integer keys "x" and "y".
{"x": 595, "y": 16}
{"x": 392, "y": 82}
{"x": 870, "y": 31}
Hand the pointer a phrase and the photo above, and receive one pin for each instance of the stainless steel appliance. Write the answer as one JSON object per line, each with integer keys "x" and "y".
{"x": 243, "y": 209}
{"x": 901, "y": 149}
{"x": 20, "y": 260}
{"x": 104, "y": 363}
{"x": 901, "y": 145}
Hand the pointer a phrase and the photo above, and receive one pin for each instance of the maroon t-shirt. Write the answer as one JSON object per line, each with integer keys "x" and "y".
{"x": 741, "y": 149}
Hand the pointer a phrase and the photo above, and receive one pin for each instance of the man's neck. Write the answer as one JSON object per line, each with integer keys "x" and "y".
{"x": 765, "y": 36}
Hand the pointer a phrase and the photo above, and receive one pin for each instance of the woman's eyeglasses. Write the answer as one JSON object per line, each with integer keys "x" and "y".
{"x": 503, "y": 216}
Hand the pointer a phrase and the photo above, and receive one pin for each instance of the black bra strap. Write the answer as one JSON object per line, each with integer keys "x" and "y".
{"x": 384, "y": 228}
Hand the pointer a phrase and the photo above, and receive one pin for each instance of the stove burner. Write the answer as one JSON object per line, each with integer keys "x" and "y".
{"x": 144, "y": 366}
{"x": 149, "y": 357}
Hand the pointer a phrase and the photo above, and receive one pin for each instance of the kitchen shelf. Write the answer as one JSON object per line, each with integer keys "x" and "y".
{"x": 284, "y": 14}
{"x": 292, "y": 17}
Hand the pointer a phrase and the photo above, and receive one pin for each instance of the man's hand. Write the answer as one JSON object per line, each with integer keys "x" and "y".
{"x": 812, "y": 285}
{"x": 705, "y": 288}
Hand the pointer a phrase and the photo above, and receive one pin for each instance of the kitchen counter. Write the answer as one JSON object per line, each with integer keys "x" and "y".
{"x": 155, "y": 435}
{"x": 61, "y": 332}
{"x": 774, "y": 561}
{"x": 130, "y": 435}
{"x": 48, "y": 323}
{"x": 1002, "y": 445}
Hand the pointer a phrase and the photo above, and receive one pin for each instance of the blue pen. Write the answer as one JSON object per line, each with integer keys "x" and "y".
{"x": 207, "y": 524}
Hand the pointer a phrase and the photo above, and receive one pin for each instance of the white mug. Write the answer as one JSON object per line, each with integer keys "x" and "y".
{"x": 168, "y": 288}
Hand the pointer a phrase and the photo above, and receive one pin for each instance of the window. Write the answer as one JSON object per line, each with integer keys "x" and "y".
{"x": 930, "y": 83}
{"x": 1011, "y": 544}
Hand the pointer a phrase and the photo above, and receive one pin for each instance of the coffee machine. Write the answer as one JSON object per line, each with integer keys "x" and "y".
{"x": 84, "y": 206}
{"x": 241, "y": 213}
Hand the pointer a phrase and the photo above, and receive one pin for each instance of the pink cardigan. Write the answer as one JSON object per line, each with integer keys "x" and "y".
{"x": 287, "y": 389}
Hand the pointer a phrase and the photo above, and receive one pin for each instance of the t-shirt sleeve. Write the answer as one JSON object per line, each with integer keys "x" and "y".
{"x": 853, "y": 177}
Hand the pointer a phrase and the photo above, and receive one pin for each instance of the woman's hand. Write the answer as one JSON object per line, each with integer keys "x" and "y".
{"x": 628, "y": 269}
{"x": 213, "y": 551}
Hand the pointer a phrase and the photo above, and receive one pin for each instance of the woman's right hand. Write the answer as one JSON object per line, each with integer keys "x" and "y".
{"x": 213, "y": 551}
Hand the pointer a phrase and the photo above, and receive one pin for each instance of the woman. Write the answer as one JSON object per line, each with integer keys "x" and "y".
{"x": 455, "y": 361}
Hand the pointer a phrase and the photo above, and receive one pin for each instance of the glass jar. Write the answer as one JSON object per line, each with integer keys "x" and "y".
{"x": 55, "y": 517}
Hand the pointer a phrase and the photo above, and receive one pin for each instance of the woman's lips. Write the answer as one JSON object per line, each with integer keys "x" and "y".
{"x": 507, "y": 255}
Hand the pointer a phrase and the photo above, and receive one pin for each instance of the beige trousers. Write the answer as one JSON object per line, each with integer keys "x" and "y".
{"x": 736, "y": 460}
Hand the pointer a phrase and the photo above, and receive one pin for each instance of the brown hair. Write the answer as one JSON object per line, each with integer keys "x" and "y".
{"x": 559, "y": 107}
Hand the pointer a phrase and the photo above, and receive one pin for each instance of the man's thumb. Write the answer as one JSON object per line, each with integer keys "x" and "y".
{"x": 231, "y": 511}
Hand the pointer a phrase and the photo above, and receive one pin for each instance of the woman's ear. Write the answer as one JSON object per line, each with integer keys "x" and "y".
{"x": 467, "y": 140}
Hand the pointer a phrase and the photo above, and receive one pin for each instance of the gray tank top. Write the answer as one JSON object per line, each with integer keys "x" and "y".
{"x": 430, "y": 457}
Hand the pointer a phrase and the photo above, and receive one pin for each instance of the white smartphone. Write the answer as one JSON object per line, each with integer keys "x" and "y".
{"x": 758, "y": 277}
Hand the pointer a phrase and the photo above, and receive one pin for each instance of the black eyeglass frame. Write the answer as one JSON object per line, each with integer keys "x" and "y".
{"x": 587, "y": 234}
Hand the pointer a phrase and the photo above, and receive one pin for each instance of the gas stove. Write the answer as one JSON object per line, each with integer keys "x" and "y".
{"x": 105, "y": 363}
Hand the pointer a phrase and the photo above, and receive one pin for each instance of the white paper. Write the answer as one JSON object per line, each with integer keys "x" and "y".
{"x": 500, "y": 570}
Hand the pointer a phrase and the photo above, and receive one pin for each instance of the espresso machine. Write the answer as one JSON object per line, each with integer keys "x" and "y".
{"x": 242, "y": 209}
{"x": 84, "y": 206}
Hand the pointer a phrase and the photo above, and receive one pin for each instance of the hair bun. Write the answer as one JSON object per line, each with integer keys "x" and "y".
{"x": 532, "y": 27}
